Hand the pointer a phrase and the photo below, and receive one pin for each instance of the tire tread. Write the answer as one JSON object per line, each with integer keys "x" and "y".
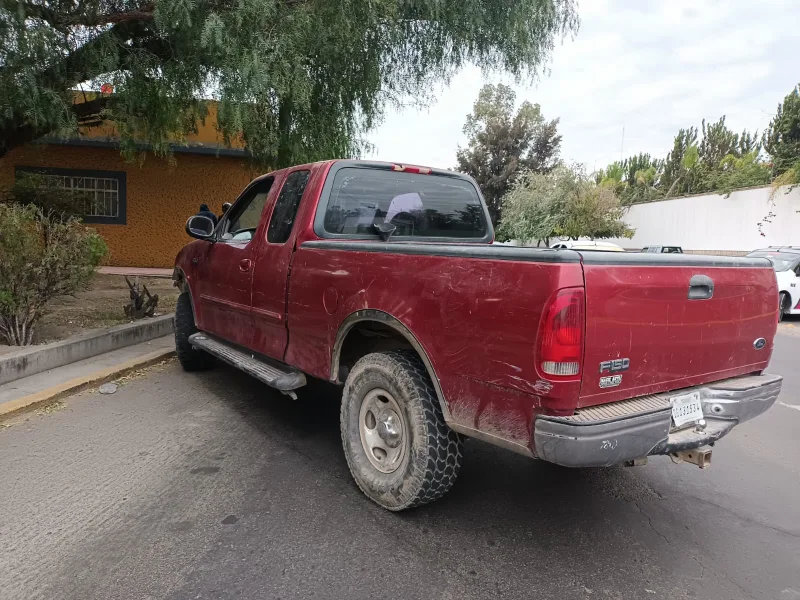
{"x": 444, "y": 445}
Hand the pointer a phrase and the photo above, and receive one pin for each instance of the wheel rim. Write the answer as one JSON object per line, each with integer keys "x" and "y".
{"x": 383, "y": 430}
{"x": 783, "y": 306}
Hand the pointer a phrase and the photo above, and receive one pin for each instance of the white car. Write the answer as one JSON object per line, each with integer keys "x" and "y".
{"x": 587, "y": 245}
{"x": 786, "y": 262}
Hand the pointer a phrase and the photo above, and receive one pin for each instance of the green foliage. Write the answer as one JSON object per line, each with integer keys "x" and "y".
{"x": 503, "y": 142}
{"x": 632, "y": 179}
{"x": 790, "y": 177}
{"x": 719, "y": 142}
{"x": 43, "y": 255}
{"x": 782, "y": 137}
{"x": 565, "y": 203}
{"x": 296, "y": 80}
{"x": 720, "y": 160}
{"x": 675, "y": 177}
{"x": 741, "y": 172}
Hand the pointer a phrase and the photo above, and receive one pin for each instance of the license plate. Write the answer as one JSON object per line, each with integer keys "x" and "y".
{"x": 686, "y": 408}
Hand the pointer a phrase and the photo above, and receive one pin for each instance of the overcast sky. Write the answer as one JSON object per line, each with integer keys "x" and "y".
{"x": 649, "y": 66}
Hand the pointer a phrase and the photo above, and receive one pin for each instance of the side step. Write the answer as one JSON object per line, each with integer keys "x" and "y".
{"x": 275, "y": 374}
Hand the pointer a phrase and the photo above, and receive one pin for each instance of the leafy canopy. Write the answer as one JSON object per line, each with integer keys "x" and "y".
{"x": 297, "y": 80}
{"x": 504, "y": 141}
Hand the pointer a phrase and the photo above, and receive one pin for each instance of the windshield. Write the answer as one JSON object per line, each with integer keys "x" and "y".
{"x": 780, "y": 261}
{"x": 417, "y": 205}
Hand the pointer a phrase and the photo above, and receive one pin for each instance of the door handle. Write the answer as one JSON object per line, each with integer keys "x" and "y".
{"x": 244, "y": 265}
{"x": 701, "y": 287}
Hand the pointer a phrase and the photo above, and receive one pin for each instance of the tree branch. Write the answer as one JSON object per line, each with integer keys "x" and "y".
{"x": 60, "y": 20}
{"x": 14, "y": 136}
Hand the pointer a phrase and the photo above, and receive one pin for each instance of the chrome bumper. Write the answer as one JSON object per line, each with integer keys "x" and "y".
{"x": 621, "y": 431}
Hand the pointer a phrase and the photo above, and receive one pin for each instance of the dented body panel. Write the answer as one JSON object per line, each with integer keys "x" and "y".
{"x": 474, "y": 312}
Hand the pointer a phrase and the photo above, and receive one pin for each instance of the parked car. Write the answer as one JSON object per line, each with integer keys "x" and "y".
{"x": 663, "y": 249}
{"x": 383, "y": 278}
{"x": 786, "y": 262}
{"x": 587, "y": 245}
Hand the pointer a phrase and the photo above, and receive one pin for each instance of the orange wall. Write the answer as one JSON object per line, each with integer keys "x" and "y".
{"x": 160, "y": 196}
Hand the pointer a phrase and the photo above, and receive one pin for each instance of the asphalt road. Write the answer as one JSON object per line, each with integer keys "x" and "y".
{"x": 209, "y": 485}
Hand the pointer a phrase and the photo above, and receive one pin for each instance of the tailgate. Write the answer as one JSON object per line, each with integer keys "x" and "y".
{"x": 638, "y": 308}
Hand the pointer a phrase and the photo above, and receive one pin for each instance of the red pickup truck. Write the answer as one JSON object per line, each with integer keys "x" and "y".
{"x": 384, "y": 278}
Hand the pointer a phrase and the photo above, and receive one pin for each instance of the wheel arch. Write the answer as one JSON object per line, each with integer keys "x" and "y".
{"x": 347, "y": 347}
{"x": 180, "y": 281}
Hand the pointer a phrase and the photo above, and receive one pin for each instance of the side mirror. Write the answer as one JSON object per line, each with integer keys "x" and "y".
{"x": 226, "y": 206}
{"x": 200, "y": 227}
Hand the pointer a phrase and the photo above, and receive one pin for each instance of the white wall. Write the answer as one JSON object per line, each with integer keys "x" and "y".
{"x": 714, "y": 222}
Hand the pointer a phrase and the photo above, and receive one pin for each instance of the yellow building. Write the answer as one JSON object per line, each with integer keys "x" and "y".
{"x": 140, "y": 209}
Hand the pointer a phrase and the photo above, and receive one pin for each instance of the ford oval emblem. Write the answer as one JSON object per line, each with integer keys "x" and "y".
{"x": 759, "y": 343}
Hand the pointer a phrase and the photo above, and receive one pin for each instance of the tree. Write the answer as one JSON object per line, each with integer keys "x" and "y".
{"x": 719, "y": 141}
{"x": 678, "y": 175}
{"x": 503, "y": 142}
{"x": 565, "y": 203}
{"x": 782, "y": 137}
{"x": 42, "y": 255}
{"x": 296, "y": 80}
{"x": 633, "y": 179}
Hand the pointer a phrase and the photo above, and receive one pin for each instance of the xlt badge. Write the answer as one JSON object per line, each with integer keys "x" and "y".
{"x": 610, "y": 381}
{"x": 615, "y": 366}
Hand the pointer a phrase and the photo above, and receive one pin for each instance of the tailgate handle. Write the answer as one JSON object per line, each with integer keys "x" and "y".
{"x": 701, "y": 287}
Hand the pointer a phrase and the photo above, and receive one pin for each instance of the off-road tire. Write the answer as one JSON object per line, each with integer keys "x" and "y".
{"x": 784, "y": 304}
{"x": 432, "y": 457}
{"x": 190, "y": 358}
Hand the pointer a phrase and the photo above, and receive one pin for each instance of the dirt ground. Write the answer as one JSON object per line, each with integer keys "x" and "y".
{"x": 99, "y": 306}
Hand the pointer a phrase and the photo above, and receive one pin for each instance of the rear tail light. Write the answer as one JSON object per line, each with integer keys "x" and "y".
{"x": 561, "y": 334}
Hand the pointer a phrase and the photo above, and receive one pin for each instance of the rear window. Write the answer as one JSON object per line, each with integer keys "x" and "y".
{"x": 417, "y": 205}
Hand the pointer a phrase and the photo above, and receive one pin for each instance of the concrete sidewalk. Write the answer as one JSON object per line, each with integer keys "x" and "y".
{"x": 135, "y": 271}
{"x": 48, "y": 386}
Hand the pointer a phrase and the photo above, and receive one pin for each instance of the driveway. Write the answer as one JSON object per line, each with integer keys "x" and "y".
{"x": 210, "y": 485}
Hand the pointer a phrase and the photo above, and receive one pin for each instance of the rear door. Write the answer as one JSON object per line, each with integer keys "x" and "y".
{"x": 672, "y": 321}
{"x": 271, "y": 275}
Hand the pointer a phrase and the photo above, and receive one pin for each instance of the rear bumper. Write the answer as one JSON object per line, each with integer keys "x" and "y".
{"x": 621, "y": 431}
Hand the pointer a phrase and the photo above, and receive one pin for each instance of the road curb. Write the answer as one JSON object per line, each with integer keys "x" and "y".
{"x": 37, "y": 359}
{"x": 73, "y": 386}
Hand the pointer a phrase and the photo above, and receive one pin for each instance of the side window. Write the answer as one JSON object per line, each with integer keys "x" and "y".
{"x": 286, "y": 207}
{"x": 246, "y": 213}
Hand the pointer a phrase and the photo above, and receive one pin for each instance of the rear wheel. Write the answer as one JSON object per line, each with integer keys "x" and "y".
{"x": 785, "y": 305}
{"x": 190, "y": 358}
{"x": 399, "y": 449}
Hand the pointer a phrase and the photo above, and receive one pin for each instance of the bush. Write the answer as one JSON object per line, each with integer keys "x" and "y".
{"x": 43, "y": 254}
{"x": 561, "y": 203}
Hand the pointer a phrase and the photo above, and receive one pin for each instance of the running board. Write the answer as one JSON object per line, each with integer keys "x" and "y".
{"x": 275, "y": 374}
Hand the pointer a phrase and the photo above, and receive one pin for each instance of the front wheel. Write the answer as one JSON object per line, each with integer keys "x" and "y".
{"x": 399, "y": 449}
{"x": 785, "y": 305}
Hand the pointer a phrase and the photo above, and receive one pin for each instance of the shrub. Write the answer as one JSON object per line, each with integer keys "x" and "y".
{"x": 43, "y": 255}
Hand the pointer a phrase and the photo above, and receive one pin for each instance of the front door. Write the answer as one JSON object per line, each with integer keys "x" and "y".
{"x": 272, "y": 270}
{"x": 226, "y": 269}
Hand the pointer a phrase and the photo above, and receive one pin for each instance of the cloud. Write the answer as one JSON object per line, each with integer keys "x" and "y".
{"x": 649, "y": 67}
